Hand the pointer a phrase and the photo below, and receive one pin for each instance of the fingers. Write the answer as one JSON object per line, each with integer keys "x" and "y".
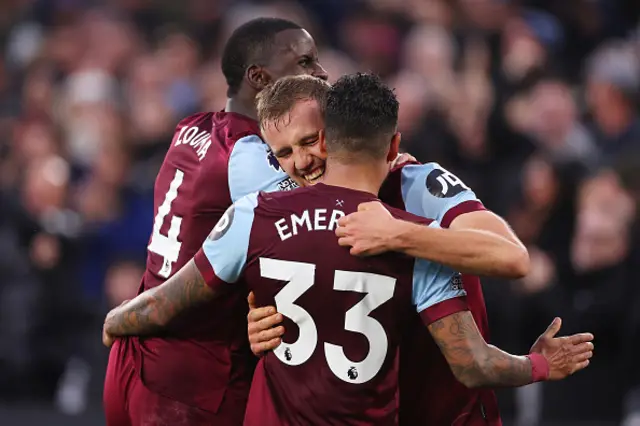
{"x": 369, "y": 205}
{"x": 401, "y": 159}
{"x": 341, "y": 231}
{"x": 263, "y": 333}
{"x": 267, "y": 323}
{"x": 265, "y": 340}
{"x": 259, "y": 348}
{"x": 363, "y": 207}
{"x": 258, "y": 314}
{"x": 580, "y": 338}
{"x": 343, "y": 220}
{"x": 584, "y": 353}
{"x": 553, "y": 328}
{"x": 581, "y": 366}
{"x": 346, "y": 241}
{"x": 583, "y": 357}
{"x": 266, "y": 335}
{"x": 357, "y": 251}
{"x": 251, "y": 300}
{"x": 583, "y": 347}
{"x": 107, "y": 339}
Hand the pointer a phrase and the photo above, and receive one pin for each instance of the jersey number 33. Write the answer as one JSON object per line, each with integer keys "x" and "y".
{"x": 301, "y": 276}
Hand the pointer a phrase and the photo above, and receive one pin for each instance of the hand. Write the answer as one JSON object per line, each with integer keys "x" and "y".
{"x": 366, "y": 231}
{"x": 107, "y": 338}
{"x": 263, "y": 334}
{"x": 565, "y": 355}
{"x": 401, "y": 159}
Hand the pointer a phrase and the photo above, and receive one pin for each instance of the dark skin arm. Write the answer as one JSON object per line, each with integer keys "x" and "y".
{"x": 151, "y": 311}
{"x": 477, "y": 364}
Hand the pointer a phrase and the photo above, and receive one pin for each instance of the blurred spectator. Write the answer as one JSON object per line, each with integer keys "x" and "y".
{"x": 613, "y": 87}
{"x": 532, "y": 103}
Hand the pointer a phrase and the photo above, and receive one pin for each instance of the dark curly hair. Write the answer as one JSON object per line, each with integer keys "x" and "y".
{"x": 361, "y": 115}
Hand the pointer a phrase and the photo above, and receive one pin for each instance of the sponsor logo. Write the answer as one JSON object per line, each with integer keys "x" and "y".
{"x": 442, "y": 184}
{"x": 287, "y": 185}
{"x": 456, "y": 283}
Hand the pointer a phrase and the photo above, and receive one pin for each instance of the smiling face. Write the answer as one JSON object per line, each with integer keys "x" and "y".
{"x": 294, "y": 140}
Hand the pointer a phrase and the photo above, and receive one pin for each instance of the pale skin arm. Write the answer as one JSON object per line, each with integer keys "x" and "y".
{"x": 477, "y": 364}
{"x": 478, "y": 243}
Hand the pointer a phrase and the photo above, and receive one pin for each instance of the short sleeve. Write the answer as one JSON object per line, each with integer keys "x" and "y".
{"x": 430, "y": 191}
{"x": 223, "y": 255}
{"x": 253, "y": 168}
{"x": 437, "y": 290}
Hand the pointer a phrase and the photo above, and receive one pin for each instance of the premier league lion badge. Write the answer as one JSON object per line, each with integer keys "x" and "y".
{"x": 273, "y": 161}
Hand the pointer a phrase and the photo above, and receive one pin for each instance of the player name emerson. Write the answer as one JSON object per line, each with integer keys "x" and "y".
{"x": 308, "y": 220}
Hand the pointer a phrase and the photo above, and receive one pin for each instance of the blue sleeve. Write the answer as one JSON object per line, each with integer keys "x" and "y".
{"x": 253, "y": 168}
{"x": 434, "y": 283}
{"x": 430, "y": 191}
{"x": 227, "y": 245}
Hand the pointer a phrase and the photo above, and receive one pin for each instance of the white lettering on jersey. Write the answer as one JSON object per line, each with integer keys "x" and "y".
{"x": 288, "y": 227}
{"x": 200, "y": 141}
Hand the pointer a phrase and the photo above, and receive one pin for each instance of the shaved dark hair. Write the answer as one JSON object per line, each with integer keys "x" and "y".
{"x": 250, "y": 44}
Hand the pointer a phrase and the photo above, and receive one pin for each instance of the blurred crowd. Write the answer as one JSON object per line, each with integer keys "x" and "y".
{"x": 532, "y": 103}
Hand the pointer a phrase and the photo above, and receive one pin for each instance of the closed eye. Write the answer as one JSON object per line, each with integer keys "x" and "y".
{"x": 283, "y": 154}
{"x": 305, "y": 61}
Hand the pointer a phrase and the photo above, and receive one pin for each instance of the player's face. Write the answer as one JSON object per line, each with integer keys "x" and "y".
{"x": 295, "y": 143}
{"x": 295, "y": 54}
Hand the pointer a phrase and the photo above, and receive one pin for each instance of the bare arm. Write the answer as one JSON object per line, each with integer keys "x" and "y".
{"x": 475, "y": 363}
{"x": 468, "y": 250}
{"x": 152, "y": 310}
{"x": 479, "y": 243}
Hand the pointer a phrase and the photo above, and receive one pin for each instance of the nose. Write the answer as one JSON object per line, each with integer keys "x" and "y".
{"x": 303, "y": 162}
{"x": 320, "y": 72}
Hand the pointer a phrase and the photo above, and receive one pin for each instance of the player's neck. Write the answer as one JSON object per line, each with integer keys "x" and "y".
{"x": 361, "y": 177}
{"x": 240, "y": 106}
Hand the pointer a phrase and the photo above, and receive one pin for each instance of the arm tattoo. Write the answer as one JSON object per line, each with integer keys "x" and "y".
{"x": 150, "y": 311}
{"x": 474, "y": 362}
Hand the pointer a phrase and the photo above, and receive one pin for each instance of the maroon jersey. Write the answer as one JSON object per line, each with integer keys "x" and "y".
{"x": 344, "y": 314}
{"x": 204, "y": 356}
{"x": 429, "y": 392}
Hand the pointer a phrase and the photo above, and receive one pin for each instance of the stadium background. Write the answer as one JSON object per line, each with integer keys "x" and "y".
{"x": 534, "y": 104}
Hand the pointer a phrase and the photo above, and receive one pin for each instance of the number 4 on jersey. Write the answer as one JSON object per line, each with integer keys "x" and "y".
{"x": 167, "y": 246}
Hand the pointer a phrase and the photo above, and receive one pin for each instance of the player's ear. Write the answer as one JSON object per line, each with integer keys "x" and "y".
{"x": 322, "y": 142}
{"x": 394, "y": 149}
{"x": 257, "y": 77}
